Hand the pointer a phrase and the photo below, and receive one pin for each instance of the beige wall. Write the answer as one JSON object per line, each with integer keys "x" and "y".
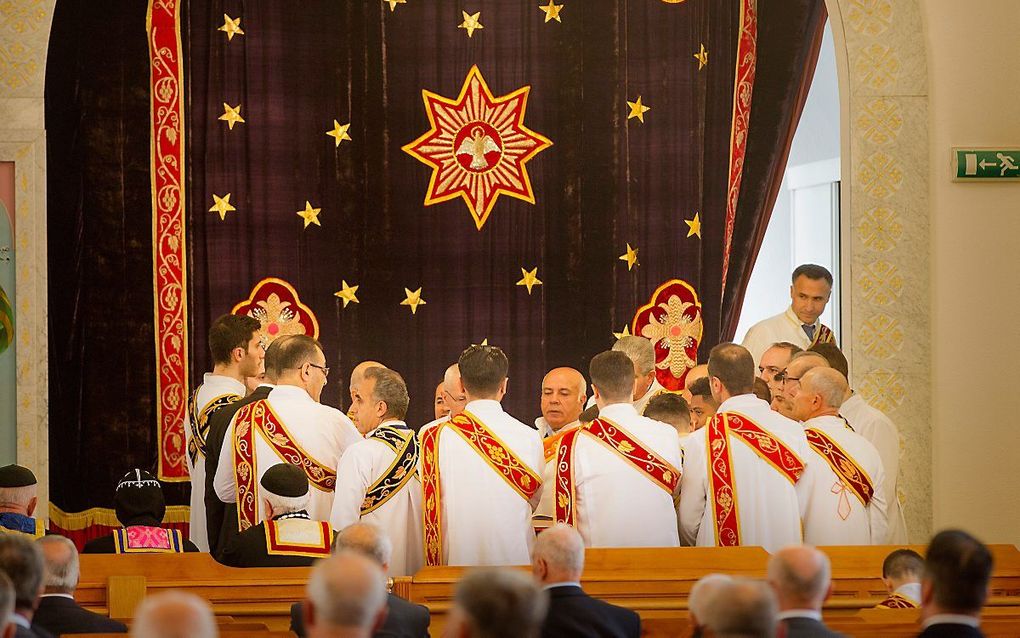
{"x": 974, "y": 70}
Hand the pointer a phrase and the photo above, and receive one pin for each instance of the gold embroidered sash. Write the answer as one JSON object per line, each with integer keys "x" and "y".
{"x": 846, "y": 469}
{"x": 198, "y": 421}
{"x": 298, "y": 537}
{"x": 823, "y": 335}
{"x": 405, "y": 444}
{"x": 897, "y": 601}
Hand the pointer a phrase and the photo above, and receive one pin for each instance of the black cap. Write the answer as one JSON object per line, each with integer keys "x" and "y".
{"x": 16, "y": 476}
{"x": 138, "y": 499}
{"x": 284, "y": 479}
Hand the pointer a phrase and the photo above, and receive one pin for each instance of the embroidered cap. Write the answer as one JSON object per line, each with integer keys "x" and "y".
{"x": 138, "y": 499}
{"x": 284, "y": 479}
{"x": 16, "y": 476}
{"x": 138, "y": 478}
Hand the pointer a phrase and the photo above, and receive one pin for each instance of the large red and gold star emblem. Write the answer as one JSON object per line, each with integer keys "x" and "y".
{"x": 477, "y": 146}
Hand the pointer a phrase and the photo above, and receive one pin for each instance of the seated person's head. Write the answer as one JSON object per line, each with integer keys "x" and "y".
{"x": 497, "y": 603}
{"x": 18, "y": 488}
{"x": 957, "y": 569}
{"x": 284, "y": 490}
{"x": 741, "y": 608}
{"x": 701, "y": 594}
{"x": 60, "y": 557}
{"x": 703, "y": 404}
{"x": 174, "y": 614}
{"x": 672, "y": 409}
{"x": 8, "y": 629}
{"x": 346, "y": 592}
{"x": 558, "y": 555}
{"x": 22, "y": 561}
{"x": 483, "y": 371}
{"x": 138, "y": 499}
{"x": 900, "y": 567}
{"x": 367, "y": 539}
{"x": 800, "y": 576}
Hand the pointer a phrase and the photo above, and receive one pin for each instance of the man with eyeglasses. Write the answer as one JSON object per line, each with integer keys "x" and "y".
{"x": 788, "y": 380}
{"x": 289, "y": 424}
{"x": 774, "y": 361}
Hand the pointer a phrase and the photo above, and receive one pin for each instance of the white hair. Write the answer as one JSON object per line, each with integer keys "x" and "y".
{"x": 828, "y": 383}
{"x": 286, "y": 504}
{"x": 62, "y": 572}
{"x": 174, "y": 614}
{"x": 702, "y": 592}
{"x": 19, "y": 497}
{"x": 347, "y": 590}
{"x": 639, "y": 350}
{"x": 562, "y": 548}
{"x": 367, "y": 539}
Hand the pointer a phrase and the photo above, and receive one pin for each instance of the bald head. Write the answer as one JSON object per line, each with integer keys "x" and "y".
{"x": 358, "y": 374}
{"x": 346, "y": 591}
{"x": 821, "y": 392}
{"x": 558, "y": 555}
{"x": 563, "y": 393}
{"x": 453, "y": 394}
{"x": 800, "y": 576}
{"x": 174, "y": 614}
{"x": 367, "y": 539}
{"x": 799, "y": 365}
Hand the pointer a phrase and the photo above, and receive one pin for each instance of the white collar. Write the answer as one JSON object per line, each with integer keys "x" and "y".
{"x": 740, "y": 401}
{"x": 617, "y": 409}
{"x": 911, "y": 591}
{"x": 790, "y": 314}
{"x": 57, "y": 595}
{"x": 291, "y": 391}
{"x": 18, "y": 619}
{"x": 813, "y": 614}
{"x": 951, "y": 619}
{"x": 545, "y": 430}
{"x": 566, "y": 583}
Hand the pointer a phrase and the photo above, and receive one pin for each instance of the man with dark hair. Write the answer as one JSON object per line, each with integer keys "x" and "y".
{"x": 672, "y": 409}
{"x": 703, "y": 404}
{"x": 834, "y": 356}
{"x": 957, "y": 568}
{"x": 774, "y": 361}
{"x": 58, "y": 613}
{"x": 616, "y": 477}
{"x": 799, "y": 325}
{"x": 288, "y": 424}
{"x": 8, "y": 628}
{"x": 481, "y": 473}
{"x": 761, "y": 390}
{"x": 22, "y": 562}
{"x": 377, "y": 481}
{"x": 490, "y": 603}
{"x": 757, "y": 457}
{"x": 236, "y": 348}
{"x": 901, "y": 573}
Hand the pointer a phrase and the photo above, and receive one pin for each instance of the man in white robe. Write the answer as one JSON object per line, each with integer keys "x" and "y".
{"x": 641, "y": 352}
{"x": 377, "y": 480}
{"x": 620, "y": 503}
{"x": 798, "y": 324}
{"x": 767, "y": 509}
{"x": 789, "y": 380}
{"x": 321, "y": 432}
{"x": 356, "y": 376}
{"x": 774, "y": 361}
{"x": 484, "y": 519}
{"x": 563, "y": 394}
{"x": 846, "y": 503}
{"x": 236, "y": 351}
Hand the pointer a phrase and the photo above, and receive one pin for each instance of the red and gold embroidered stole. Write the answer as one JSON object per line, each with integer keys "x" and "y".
{"x": 625, "y": 445}
{"x": 550, "y": 442}
{"x": 823, "y": 335}
{"x": 896, "y": 601}
{"x": 198, "y": 421}
{"x": 298, "y": 537}
{"x": 721, "y": 482}
{"x": 259, "y": 417}
{"x": 497, "y": 454}
{"x": 846, "y": 469}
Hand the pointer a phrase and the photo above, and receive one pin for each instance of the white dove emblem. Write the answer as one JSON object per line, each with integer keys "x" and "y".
{"x": 477, "y": 145}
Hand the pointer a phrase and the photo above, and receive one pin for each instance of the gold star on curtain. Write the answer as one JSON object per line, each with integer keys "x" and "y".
{"x": 222, "y": 206}
{"x": 484, "y": 342}
{"x": 623, "y": 333}
{"x": 630, "y": 257}
{"x": 346, "y": 293}
{"x": 694, "y": 226}
{"x": 310, "y": 215}
{"x": 412, "y": 299}
{"x": 471, "y": 23}
{"x": 231, "y": 27}
{"x": 702, "y": 57}
{"x": 231, "y": 115}
{"x": 638, "y": 110}
{"x": 393, "y": 3}
{"x": 530, "y": 279}
{"x": 552, "y": 11}
{"x": 339, "y": 132}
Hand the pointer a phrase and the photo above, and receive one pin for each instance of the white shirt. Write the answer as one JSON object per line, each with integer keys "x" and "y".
{"x": 618, "y": 505}
{"x": 768, "y": 505}
{"x": 485, "y": 521}
{"x": 545, "y": 513}
{"x": 828, "y": 499}
{"x": 782, "y": 327}
{"x": 361, "y": 465}
{"x": 321, "y": 431}
{"x": 799, "y": 613}
{"x": 951, "y": 619}
{"x": 880, "y": 431}
{"x": 213, "y": 386}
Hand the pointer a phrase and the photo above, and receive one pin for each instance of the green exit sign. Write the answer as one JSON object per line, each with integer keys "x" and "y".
{"x": 985, "y": 164}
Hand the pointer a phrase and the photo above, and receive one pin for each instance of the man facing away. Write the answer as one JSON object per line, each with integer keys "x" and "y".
{"x": 809, "y": 294}
{"x": 901, "y": 574}
{"x": 616, "y": 477}
{"x": 22, "y": 562}
{"x": 236, "y": 350}
{"x": 757, "y": 458}
{"x": 289, "y": 424}
{"x": 346, "y": 597}
{"x": 800, "y": 576}
{"x": 58, "y": 613}
{"x": 377, "y": 481}
{"x": 641, "y": 352}
{"x": 481, "y": 473}
{"x": 957, "y": 568}
{"x": 563, "y": 394}
{"x": 497, "y": 603}
{"x": 557, "y": 562}
{"x": 174, "y": 614}
{"x": 18, "y": 500}
{"x": 844, "y": 496}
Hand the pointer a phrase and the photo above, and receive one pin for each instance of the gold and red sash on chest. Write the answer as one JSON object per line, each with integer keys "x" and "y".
{"x": 625, "y": 445}
{"x": 823, "y": 335}
{"x": 550, "y": 442}
{"x": 497, "y": 454}
{"x": 259, "y": 417}
{"x": 404, "y": 444}
{"x": 721, "y": 482}
{"x": 147, "y": 539}
{"x": 896, "y": 601}
{"x": 198, "y": 420}
{"x": 846, "y": 469}
{"x": 298, "y": 537}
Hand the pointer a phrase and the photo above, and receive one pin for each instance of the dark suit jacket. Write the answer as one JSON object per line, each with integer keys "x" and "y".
{"x": 59, "y": 615}
{"x": 34, "y": 632}
{"x": 575, "y": 614}
{"x": 951, "y": 631}
{"x": 808, "y": 628}
{"x": 220, "y": 517}
{"x": 404, "y": 620}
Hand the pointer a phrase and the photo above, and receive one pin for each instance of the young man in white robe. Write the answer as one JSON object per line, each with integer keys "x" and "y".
{"x": 758, "y": 503}
{"x": 318, "y": 434}
{"x": 641, "y": 352}
{"x": 236, "y": 350}
{"x": 846, "y": 503}
{"x": 563, "y": 394}
{"x": 377, "y": 481}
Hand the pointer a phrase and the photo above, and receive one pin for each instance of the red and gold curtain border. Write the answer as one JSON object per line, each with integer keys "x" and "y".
{"x": 169, "y": 264}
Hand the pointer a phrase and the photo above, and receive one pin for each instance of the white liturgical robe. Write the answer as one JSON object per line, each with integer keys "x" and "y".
{"x": 545, "y": 513}
{"x": 213, "y": 386}
{"x": 361, "y": 465}
{"x": 833, "y": 514}
{"x": 880, "y": 431}
{"x": 641, "y": 402}
{"x": 617, "y": 504}
{"x": 484, "y": 520}
{"x": 321, "y": 431}
{"x": 782, "y": 327}
{"x": 768, "y": 505}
